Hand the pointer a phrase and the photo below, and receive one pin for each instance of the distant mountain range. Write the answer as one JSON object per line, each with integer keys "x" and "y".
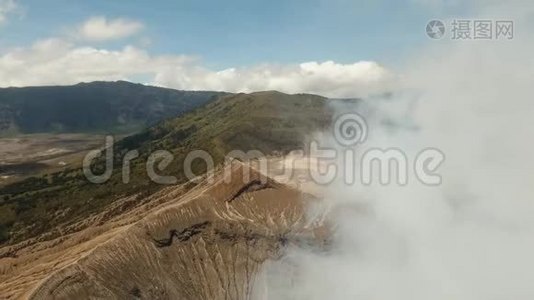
{"x": 93, "y": 107}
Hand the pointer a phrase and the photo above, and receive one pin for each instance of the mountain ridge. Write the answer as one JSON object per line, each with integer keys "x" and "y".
{"x": 98, "y": 106}
{"x": 271, "y": 123}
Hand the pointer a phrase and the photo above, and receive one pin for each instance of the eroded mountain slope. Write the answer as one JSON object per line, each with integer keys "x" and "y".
{"x": 205, "y": 244}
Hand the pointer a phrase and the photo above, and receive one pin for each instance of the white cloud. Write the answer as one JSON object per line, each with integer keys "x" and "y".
{"x": 58, "y": 61}
{"x": 327, "y": 78}
{"x": 7, "y": 7}
{"x": 101, "y": 29}
{"x": 473, "y": 236}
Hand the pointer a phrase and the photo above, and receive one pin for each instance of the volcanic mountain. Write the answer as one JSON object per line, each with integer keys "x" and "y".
{"x": 66, "y": 238}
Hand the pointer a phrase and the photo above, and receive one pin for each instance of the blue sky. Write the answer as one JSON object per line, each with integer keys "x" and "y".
{"x": 339, "y": 48}
{"x": 246, "y": 32}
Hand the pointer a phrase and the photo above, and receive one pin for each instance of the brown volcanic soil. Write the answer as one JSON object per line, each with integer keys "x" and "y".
{"x": 208, "y": 242}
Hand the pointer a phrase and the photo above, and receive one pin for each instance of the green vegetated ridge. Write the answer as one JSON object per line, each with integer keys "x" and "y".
{"x": 265, "y": 121}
